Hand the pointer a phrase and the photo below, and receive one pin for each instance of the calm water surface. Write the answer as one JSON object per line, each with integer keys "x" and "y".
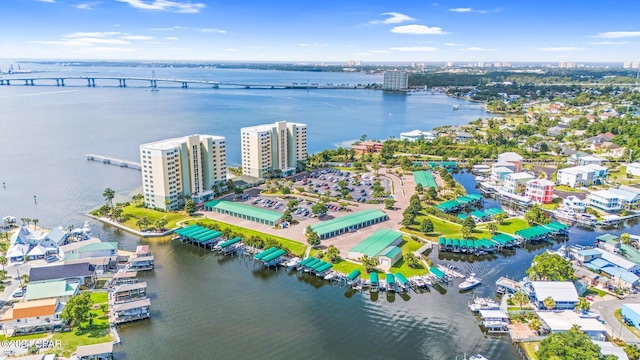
{"x": 205, "y": 306}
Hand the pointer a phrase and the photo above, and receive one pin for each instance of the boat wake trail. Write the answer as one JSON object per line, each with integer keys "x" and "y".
{"x": 40, "y": 93}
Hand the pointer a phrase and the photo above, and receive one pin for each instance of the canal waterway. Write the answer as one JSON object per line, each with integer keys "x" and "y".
{"x": 206, "y": 306}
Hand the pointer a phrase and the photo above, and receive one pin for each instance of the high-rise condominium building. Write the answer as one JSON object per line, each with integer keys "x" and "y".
{"x": 274, "y": 149}
{"x": 189, "y": 166}
{"x": 395, "y": 80}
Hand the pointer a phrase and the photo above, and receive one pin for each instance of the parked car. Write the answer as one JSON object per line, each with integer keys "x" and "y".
{"x": 51, "y": 259}
{"x": 18, "y": 294}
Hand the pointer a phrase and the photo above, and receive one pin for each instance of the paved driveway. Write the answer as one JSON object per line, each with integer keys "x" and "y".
{"x": 606, "y": 308}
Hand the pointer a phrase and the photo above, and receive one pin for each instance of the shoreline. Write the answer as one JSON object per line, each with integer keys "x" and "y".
{"x": 130, "y": 230}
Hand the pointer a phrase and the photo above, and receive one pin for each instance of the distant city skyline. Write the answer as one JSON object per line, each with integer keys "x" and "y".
{"x": 331, "y": 31}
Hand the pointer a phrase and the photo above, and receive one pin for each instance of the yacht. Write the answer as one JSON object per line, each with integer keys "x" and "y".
{"x": 470, "y": 282}
{"x": 564, "y": 214}
{"x": 484, "y": 304}
{"x": 455, "y": 107}
{"x": 478, "y": 357}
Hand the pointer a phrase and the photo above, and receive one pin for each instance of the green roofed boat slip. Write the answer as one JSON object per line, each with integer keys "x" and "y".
{"x": 266, "y": 252}
{"x": 437, "y": 272}
{"x": 390, "y": 279}
{"x": 403, "y": 280}
{"x": 354, "y": 221}
{"x": 324, "y": 268}
{"x": 353, "y": 275}
{"x": 312, "y": 262}
{"x": 230, "y": 242}
{"x": 318, "y": 265}
{"x": 373, "y": 278}
{"x": 306, "y": 261}
{"x": 273, "y": 256}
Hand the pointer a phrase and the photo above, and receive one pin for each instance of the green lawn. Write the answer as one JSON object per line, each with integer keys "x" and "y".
{"x": 444, "y": 228}
{"x": 618, "y": 315}
{"x": 553, "y": 205}
{"x": 347, "y": 267}
{"x": 132, "y": 213}
{"x": 72, "y": 339}
{"x": 568, "y": 189}
{"x": 511, "y": 225}
{"x": 409, "y": 246}
{"x": 99, "y": 297}
{"x": 294, "y": 247}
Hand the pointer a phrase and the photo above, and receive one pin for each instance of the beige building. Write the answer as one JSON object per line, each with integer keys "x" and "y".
{"x": 187, "y": 166}
{"x": 274, "y": 149}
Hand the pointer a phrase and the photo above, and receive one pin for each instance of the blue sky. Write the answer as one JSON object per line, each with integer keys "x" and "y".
{"x": 329, "y": 31}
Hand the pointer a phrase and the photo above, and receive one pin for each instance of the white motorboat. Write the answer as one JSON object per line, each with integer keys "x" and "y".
{"x": 484, "y": 304}
{"x": 330, "y": 275}
{"x": 478, "y": 357}
{"x": 292, "y": 262}
{"x": 470, "y": 282}
{"x": 564, "y": 214}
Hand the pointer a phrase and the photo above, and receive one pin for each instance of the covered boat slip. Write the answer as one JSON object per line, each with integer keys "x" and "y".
{"x": 246, "y": 212}
{"x": 273, "y": 258}
{"x": 323, "y": 268}
{"x": 542, "y": 232}
{"x": 402, "y": 281}
{"x": 439, "y": 275}
{"x": 199, "y": 235}
{"x": 229, "y": 246}
{"x": 353, "y": 275}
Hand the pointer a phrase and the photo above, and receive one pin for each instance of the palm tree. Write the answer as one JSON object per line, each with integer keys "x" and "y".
{"x": 109, "y": 194}
{"x": 24, "y": 220}
{"x": 633, "y": 352}
{"x": 500, "y": 218}
{"x": 3, "y": 262}
{"x": 492, "y": 227}
{"x": 24, "y": 279}
{"x": 583, "y": 304}
{"x": 520, "y": 298}
{"x": 35, "y": 223}
{"x": 625, "y": 238}
{"x": 549, "y": 303}
{"x": 28, "y": 221}
{"x": 535, "y": 324}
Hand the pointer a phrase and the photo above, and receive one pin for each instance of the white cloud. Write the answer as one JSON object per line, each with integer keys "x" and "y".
{"x": 309, "y": 45}
{"x": 136, "y": 37}
{"x": 414, "y": 48}
{"x": 98, "y": 34}
{"x": 475, "y": 48}
{"x": 304, "y": 45}
{"x": 165, "y": 5}
{"x": 461, "y": 10}
{"x": 618, "y": 34}
{"x": 381, "y": 51}
{"x": 452, "y": 44}
{"x": 394, "y": 18}
{"x": 83, "y": 42}
{"x": 232, "y": 49}
{"x": 86, "y": 6}
{"x": 171, "y": 38}
{"x": 561, "y": 48}
{"x": 609, "y": 43}
{"x": 417, "y": 29}
{"x": 214, "y": 31}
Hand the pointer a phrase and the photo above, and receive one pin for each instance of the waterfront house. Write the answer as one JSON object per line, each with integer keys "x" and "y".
{"x": 593, "y": 279}
{"x": 516, "y": 183}
{"x": 84, "y": 273}
{"x": 564, "y": 293}
{"x": 628, "y": 199}
{"x": 604, "y": 200}
{"x": 618, "y": 261}
{"x": 62, "y": 290}
{"x": 367, "y": 147}
{"x": 72, "y": 248}
{"x": 32, "y": 317}
{"x": 513, "y": 158}
{"x": 540, "y": 190}
{"x": 499, "y": 174}
{"x": 140, "y": 263}
{"x": 416, "y": 135}
{"x": 562, "y": 321}
{"x": 574, "y": 203}
{"x": 633, "y": 169}
{"x": 122, "y": 278}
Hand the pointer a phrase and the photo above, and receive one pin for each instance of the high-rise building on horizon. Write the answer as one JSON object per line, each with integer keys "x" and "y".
{"x": 278, "y": 149}
{"x": 395, "y": 80}
{"x": 189, "y": 166}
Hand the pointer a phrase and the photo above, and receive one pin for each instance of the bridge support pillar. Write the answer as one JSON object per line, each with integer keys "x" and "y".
{"x": 184, "y": 85}
{"x": 61, "y": 82}
{"x": 91, "y": 82}
{"x": 123, "y": 82}
{"x": 1, "y": 82}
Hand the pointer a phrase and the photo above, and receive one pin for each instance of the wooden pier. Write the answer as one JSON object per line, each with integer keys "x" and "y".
{"x": 113, "y": 161}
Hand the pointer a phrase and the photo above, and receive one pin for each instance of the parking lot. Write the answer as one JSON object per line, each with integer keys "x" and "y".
{"x": 333, "y": 183}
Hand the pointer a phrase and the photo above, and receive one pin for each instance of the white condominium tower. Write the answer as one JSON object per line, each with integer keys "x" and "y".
{"x": 274, "y": 149}
{"x": 395, "y": 80}
{"x": 177, "y": 168}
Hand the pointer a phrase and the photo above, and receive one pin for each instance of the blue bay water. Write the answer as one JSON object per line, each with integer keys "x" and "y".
{"x": 205, "y": 306}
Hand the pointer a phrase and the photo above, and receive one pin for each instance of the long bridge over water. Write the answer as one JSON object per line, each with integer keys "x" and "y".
{"x": 152, "y": 82}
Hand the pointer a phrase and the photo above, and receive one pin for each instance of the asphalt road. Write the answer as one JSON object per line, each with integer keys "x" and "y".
{"x": 606, "y": 308}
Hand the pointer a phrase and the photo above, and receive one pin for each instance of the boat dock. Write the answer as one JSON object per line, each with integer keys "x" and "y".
{"x": 451, "y": 272}
{"x": 511, "y": 285}
{"x": 114, "y": 161}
